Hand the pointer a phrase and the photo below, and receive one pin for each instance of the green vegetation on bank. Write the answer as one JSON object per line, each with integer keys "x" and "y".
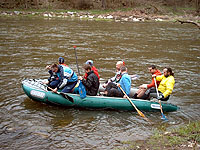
{"x": 183, "y": 137}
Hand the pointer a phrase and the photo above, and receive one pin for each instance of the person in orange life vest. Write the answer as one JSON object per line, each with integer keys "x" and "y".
{"x": 93, "y": 68}
{"x": 117, "y": 76}
{"x": 61, "y": 61}
{"x": 143, "y": 89}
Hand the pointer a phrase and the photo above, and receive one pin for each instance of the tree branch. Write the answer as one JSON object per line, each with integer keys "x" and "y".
{"x": 191, "y": 22}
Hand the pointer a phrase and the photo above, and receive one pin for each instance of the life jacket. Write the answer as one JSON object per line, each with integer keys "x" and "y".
{"x": 166, "y": 85}
{"x": 64, "y": 65}
{"x": 69, "y": 74}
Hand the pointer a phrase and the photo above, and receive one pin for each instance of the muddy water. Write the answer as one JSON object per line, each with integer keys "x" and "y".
{"x": 28, "y": 45}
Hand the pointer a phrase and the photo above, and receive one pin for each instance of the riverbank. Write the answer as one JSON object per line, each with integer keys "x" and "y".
{"x": 182, "y": 138}
{"x": 98, "y": 15}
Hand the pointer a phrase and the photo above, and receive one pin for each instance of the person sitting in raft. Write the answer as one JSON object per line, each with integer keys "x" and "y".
{"x": 53, "y": 80}
{"x": 61, "y": 61}
{"x": 91, "y": 83}
{"x": 117, "y": 76}
{"x": 166, "y": 84}
{"x": 67, "y": 78}
{"x": 112, "y": 90}
{"x": 93, "y": 68}
{"x": 143, "y": 91}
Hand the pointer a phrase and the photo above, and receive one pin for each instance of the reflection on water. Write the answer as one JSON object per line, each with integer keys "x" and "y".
{"x": 28, "y": 45}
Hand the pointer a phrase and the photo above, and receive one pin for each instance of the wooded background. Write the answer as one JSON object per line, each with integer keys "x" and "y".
{"x": 96, "y": 4}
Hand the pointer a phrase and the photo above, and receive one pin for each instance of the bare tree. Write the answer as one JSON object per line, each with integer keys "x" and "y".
{"x": 190, "y": 22}
{"x": 197, "y": 5}
{"x": 103, "y": 4}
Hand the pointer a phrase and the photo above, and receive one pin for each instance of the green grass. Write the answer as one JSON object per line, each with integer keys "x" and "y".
{"x": 172, "y": 139}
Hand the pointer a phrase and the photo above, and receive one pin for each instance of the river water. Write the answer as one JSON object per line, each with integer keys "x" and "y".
{"x": 27, "y": 45}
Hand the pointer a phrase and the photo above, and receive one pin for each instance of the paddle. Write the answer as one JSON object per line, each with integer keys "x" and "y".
{"x": 61, "y": 93}
{"x": 139, "y": 112}
{"x": 81, "y": 87}
{"x": 163, "y": 116}
{"x": 134, "y": 77}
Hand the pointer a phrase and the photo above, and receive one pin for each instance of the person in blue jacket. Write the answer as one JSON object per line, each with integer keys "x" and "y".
{"x": 67, "y": 78}
{"x": 125, "y": 82}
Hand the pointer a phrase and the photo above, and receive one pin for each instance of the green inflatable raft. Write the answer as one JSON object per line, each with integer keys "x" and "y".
{"x": 36, "y": 91}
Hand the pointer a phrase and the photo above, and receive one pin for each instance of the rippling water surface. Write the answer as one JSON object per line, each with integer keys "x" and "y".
{"x": 28, "y": 45}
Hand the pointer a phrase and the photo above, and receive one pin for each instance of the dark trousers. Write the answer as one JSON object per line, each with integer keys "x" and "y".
{"x": 153, "y": 90}
{"x": 54, "y": 84}
{"x": 69, "y": 87}
{"x": 113, "y": 90}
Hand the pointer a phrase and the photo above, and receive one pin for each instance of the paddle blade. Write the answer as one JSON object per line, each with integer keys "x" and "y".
{"x": 163, "y": 117}
{"x": 81, "y": 89}
{"x": 67, "y": 97}
{"x": 141, "y": 114}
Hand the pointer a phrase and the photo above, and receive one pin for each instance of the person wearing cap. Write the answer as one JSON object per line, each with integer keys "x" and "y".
{"x": 61, "y": 61}
{"x": 93, "y": 68}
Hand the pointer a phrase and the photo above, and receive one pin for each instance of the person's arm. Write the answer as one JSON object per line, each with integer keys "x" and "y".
{"x": 61, "y": 76}
{"x": 152, "y": 84}
{"x": 159, "y": 78}
{"x": 87, "y": 82}
{"x": 51, "y": 74}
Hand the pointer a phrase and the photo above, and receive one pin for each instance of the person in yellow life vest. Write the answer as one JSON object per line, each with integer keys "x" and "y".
{"x": 166, "y": 85}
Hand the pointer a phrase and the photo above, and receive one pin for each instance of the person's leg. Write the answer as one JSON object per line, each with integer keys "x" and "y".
{"x": 154, "y": 92}
{"x": 69, "y": 87}
{"x": 141, "y": 92}
{"x": 54, "y": 83}
{"x": 113, "y": 92}
{"x": 165, "y": 99}
{"x": 109, "y": 87}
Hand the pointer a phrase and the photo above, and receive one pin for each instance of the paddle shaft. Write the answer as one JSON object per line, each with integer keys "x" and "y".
{"x": 76, "y": 61}
{"x": 158, "y": 95}
{"x": 139, "y": 112}
{"x": 52, "y": 89}
{"x": 65, "y": 95}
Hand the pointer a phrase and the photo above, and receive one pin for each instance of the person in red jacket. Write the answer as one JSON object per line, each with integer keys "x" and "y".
{"x": 93, "y": 68}
{"x": 144, "y": 87}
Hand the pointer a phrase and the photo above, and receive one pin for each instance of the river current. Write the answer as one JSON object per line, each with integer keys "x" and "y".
{"x": 27, "y": 45}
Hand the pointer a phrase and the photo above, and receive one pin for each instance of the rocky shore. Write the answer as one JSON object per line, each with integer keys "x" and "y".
{"x": 131, "y": 16}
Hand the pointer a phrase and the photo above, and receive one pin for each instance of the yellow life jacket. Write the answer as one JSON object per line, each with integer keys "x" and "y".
{"x": 166, "y": 84}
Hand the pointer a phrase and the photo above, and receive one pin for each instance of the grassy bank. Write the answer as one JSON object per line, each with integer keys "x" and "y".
{"x": 181, "y": 138}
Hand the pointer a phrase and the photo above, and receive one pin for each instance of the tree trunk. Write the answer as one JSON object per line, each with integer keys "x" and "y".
{"x": 174, "y": 8}
{"x": 104, "y": 4}
{"x": 26, "y": 5}
{"x": 36, "y": 4}
{"x": 197, "y": 5}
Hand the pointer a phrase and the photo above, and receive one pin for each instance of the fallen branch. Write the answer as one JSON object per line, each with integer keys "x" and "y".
{"x": 191, "y": 22}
